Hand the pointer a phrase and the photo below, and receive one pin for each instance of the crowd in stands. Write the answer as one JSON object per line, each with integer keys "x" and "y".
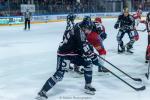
{"x": 12, "y": 7}
{"x": 57, "y": 6}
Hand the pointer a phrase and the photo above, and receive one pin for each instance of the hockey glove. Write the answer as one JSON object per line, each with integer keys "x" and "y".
{"x": 103, "y": 35}
{"x": 102, "y": 51}
{"x": 116, "y": 26}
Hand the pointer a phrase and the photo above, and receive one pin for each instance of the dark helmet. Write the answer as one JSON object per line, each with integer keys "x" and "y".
{"x": 87, "y": 25}
{"x": 87, "y": 18}
{"x": 148, "y": 17}
{"x": 71, "y": 17}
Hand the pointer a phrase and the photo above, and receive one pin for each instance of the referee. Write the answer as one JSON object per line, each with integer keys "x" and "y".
{"x": 27, "y": 17}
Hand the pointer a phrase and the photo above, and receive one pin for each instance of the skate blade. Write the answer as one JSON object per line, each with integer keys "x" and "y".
{"x": 121, "y": 52}
{"x": 40, "y": 98}
{"x": 89, "y": 92}
{"x": 128, "y": 53}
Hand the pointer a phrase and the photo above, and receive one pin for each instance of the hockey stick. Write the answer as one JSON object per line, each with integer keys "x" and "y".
{"x": 135, "y": 79}
{"x": 147, "y": 74}
{"x": 142, "y": 30}
{"x": 135, "y": 88}
{"x": 136, "y": 29}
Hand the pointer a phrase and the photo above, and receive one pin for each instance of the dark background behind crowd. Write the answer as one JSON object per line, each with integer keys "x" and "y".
{"x": 12, "y": 7}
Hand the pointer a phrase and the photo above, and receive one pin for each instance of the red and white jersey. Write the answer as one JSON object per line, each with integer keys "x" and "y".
{"x": 95, "y": 40}
{"x": 100, "y": 25}
{"x": 137, "y": 17}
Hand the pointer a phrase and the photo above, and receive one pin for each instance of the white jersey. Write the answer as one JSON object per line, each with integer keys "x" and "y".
{"x": 27, "y": 15}
{"x": 137, "y": 17}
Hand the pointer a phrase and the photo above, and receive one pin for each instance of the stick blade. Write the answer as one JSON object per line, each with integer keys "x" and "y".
{"x": 138, "y": 79}
{"x": 141, "y": 88}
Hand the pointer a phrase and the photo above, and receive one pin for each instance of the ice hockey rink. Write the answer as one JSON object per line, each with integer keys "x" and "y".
{"x": 28, "y": 59}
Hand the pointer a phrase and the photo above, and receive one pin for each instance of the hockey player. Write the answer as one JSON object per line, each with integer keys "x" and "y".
{"x": 126, "y": 24}
{"x": 100, "y": 28}
{"x": 148, "y": 30}
{"x": 96, "y": 37}
{"x": 74, "y": 48}
{"x": 27, "y": 18}
{"x": 137, "y": 17}
{"x": 70, "y": 21}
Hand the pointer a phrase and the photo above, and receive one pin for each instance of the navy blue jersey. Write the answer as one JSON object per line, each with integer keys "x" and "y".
{"x": 74, "y": 42}
{"x": 148, "y": 22}
{"x": 126, "y": 21}
{"x": 148, "y": 26}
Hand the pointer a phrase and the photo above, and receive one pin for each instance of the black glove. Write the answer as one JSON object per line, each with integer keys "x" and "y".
{"x": 103, "y": 35}
{"x": 116, "y": 26}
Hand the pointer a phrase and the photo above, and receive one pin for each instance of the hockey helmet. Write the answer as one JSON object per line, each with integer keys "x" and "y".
{"x": 71, "y": 17}
{"x": 86, "y": 25}
{"x": 98, "y": 19}
{"x": 87, "y": 18}
{"x": 139, "y": 11}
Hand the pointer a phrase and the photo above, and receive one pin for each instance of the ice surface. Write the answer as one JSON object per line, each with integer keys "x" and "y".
{"x": 28, "y": 59}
